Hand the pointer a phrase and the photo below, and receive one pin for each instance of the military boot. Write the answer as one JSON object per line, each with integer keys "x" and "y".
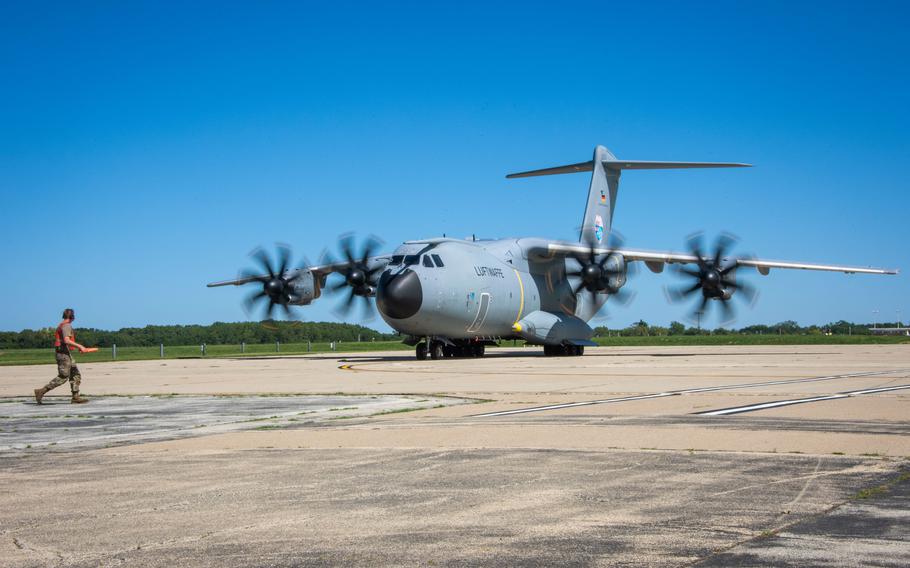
{"x": 39, "y": 394}
{"x": 77, "y": 399}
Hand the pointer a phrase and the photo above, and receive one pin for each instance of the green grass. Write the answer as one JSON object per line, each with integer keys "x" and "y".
{"x": 879, "y": 490}
{"x": 871, "y": 492}
{"x": 743, "y": 339}
{"x": 399, "y": 411}
{"x": 46, "y": 356}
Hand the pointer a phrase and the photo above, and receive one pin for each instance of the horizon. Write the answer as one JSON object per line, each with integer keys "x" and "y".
{"x": 595, "y": 325}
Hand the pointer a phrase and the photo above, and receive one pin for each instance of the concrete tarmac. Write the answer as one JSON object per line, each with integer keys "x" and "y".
{"x": 639, "y": 480}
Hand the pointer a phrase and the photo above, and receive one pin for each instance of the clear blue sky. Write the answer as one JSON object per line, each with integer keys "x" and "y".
{"x": 145, "y": 148}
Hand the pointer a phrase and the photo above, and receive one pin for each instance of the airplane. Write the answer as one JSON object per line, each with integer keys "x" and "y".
{"x": 452, "y": 297}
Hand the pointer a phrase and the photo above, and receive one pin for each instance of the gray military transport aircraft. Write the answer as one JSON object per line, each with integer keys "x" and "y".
{"x": 451, "y": 297}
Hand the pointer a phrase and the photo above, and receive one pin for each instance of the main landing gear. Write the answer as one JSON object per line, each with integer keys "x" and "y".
{"x": 439, "y": 350}
{"x": 563, "y": 350}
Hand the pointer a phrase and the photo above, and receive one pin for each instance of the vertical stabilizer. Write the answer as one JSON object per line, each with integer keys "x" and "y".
{"x": 606, "y": 168}
{"x": 595, "y": 226}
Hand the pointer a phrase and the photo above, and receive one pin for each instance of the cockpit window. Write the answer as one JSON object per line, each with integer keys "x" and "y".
{"x": 396, "y": 259}
{"x": 411, "y": 259}
{"x": 438, "y": 261}
{"x": 427, "y": 262}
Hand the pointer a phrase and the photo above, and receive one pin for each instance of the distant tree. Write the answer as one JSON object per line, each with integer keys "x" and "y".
{"x": 638, "y": 329}
{"x": 691, "y": 330}
{"x": 756, "y": 329}
{"x": 676, "y": 328}
{"x": 601, "y": 331}
{"x": 788, "y": 327}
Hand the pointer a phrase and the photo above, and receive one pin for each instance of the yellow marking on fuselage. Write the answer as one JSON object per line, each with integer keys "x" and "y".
{"x": 521, "y": 301}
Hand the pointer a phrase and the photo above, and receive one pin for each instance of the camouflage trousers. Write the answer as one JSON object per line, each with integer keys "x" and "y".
{"x": 66, "y": 371}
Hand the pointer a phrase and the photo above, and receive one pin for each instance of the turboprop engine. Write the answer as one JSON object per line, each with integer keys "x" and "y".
{"x": 304, "y": 287}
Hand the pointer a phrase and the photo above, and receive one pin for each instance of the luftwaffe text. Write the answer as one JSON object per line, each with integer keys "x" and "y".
{"x": 489, "y": 271}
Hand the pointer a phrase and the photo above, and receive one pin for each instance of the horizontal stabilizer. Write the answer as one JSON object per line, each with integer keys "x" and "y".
{"x": 626, "y": 165}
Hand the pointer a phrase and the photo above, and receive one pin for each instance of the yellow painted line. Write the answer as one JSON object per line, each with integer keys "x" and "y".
{"x": 521, "y": 303}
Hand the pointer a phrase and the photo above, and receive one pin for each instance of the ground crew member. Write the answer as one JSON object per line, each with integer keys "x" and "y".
{"x": 64, "y": 340}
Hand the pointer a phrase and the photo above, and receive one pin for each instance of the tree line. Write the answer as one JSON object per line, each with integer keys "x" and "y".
{"x": 642, "y": 328}
{"x": 221, "y": 333}
{"x": 218, "y": 333}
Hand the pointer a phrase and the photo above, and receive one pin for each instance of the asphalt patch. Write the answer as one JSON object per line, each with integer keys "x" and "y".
{"x": 865, "y": 531}
{"x": 113, "y": 420}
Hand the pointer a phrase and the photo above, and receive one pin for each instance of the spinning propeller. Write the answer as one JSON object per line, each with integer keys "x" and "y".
{"x": 277, "y": 285}
{"x": 606, "y": 275}
{"x": 358, "y": 275}
{"x": 714, "y": 278}
{"x": 596, "y": 276}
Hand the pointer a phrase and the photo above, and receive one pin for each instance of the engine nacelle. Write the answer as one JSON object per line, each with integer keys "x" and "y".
{"x": 726, "y": 292}
{"x": 616, "y": 266}
{"x": 306, "y": 288}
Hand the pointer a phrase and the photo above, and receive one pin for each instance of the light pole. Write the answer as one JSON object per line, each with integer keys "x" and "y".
{"x": 874, "y": 319}
{"x": 899, "y": 318}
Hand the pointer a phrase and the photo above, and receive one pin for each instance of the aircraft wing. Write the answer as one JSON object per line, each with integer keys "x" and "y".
{"x": 319, "y": 272}
{"x": 655, "y": 260}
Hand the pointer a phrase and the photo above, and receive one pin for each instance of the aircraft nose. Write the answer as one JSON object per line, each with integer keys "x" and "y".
{"x": 399, "y": 296}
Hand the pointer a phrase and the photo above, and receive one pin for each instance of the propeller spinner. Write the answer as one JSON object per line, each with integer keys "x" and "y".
{"x": 604, "y": 275}
{"x": 277, "y": 284}
{"x": 714, "y": 278}
{"x": 361, "y": 278}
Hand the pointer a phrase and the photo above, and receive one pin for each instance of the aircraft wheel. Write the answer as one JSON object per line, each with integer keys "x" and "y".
{"x": 436, "y": 351}
{"x": 570, "y": 350}
{"x": 580, "y": 350}
{"x": 548, "y": 350}
{"x": 479, "y": 350}
{"x": 421, "y": 351}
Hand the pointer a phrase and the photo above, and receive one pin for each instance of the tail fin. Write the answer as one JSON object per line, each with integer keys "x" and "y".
{"x": 604, "y": 187}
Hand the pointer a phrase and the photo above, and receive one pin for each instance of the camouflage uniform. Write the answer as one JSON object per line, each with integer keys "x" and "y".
{"x": 66, "y": 367}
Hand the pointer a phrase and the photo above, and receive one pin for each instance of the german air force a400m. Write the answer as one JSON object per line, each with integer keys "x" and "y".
{"x": 451, "y": 297}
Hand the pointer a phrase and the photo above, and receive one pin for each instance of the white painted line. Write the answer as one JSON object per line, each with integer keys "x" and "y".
{"x": 793, "y": 381}
{"x": 686, "y": 391}
{"x": 574, "y": 404}
{"x": 763, "y": 406}
{"x": 779, "y": 403}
